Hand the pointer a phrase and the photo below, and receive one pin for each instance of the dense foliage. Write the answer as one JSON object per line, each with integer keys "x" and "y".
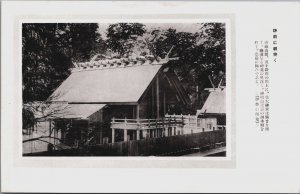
{"x": 121, "y": 37}
{"x": 48, "y": 52}
{"x": 50, "y": 49}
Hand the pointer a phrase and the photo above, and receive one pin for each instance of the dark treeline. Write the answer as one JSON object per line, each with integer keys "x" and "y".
{"x": 49, "y": 51}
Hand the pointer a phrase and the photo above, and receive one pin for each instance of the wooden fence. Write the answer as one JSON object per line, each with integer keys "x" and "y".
{"x": 134, "y": 124}
{"x": 187, "y": 123}
{"x": 193, "y": 124}
{"x": 148, "y": 147}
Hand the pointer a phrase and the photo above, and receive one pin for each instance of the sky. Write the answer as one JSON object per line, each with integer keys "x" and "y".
{"x": 180, "y": 27}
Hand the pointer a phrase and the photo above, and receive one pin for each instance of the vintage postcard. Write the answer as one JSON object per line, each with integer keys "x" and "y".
{"x": 175, "y": 90}
{"x": 124, "y": 89}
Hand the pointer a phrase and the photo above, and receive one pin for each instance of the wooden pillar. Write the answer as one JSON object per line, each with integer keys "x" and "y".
{"x": 113, "y": 131}
{"x": 137, "y": 134}
{"x": 164, "y": 104}
{"x": 125, "y": 135}
{"x": 101, "y": 136}
{"x": 157, "y": 99}
{"x": 137, "y": 111}
{"x": 112, "y": 135}
{"x": 152, "y": 100}
{"x": 196, "y": 123}
{"x": 138, "y": 121}
{"x": 132, "y": 135}
{"x": 134, "y": 112}
{"x": 49, "y": 127}
{"x": 189, "y": 116}
{"x": 166, "y": 132}
{"x": 49, "y": 134}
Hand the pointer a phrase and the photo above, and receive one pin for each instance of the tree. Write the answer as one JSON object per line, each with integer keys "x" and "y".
{"x": 48, "y": 51}
{"x": 201, "y": 56}
{"x": 121, "y": 37}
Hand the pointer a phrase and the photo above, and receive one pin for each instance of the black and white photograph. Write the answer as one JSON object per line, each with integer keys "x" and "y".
{"x": 150, "y": 96}
{"x": 124, "y": 89}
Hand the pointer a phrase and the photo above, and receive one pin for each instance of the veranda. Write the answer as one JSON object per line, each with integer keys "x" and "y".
{"x": 170, "y": 125}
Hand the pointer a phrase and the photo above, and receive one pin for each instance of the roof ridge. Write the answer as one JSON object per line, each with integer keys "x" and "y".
{"x": 110, "y": 68}
{"x": 116, "y": 63}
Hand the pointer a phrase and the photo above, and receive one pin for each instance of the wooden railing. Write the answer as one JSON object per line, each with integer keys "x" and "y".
{"x": 135, "y": 124}
{"x": 187, "y": 122}
{"x": 190, "y": 122}
{"x": 221, "y": 127}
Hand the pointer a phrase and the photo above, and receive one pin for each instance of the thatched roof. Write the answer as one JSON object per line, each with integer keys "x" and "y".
{"x": 45, "y": 111}
{"x": 215, "y": 103}
{"x": 107, "y": 85}
{"x": 113, "y": 81}
{"x": 79, "y": 111}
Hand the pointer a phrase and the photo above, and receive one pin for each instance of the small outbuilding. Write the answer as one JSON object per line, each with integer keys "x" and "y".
{"x": 212, "y": 115}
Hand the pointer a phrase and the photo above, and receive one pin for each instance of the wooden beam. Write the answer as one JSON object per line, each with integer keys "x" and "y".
{"x": 137, "y": 111}
{"x": 211, "y": 82}
{"x": 107, "y": 103}
{"x": 164, "y": 103}
{"x": 152, "y": 100}
{"x": 157, "y": 99}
